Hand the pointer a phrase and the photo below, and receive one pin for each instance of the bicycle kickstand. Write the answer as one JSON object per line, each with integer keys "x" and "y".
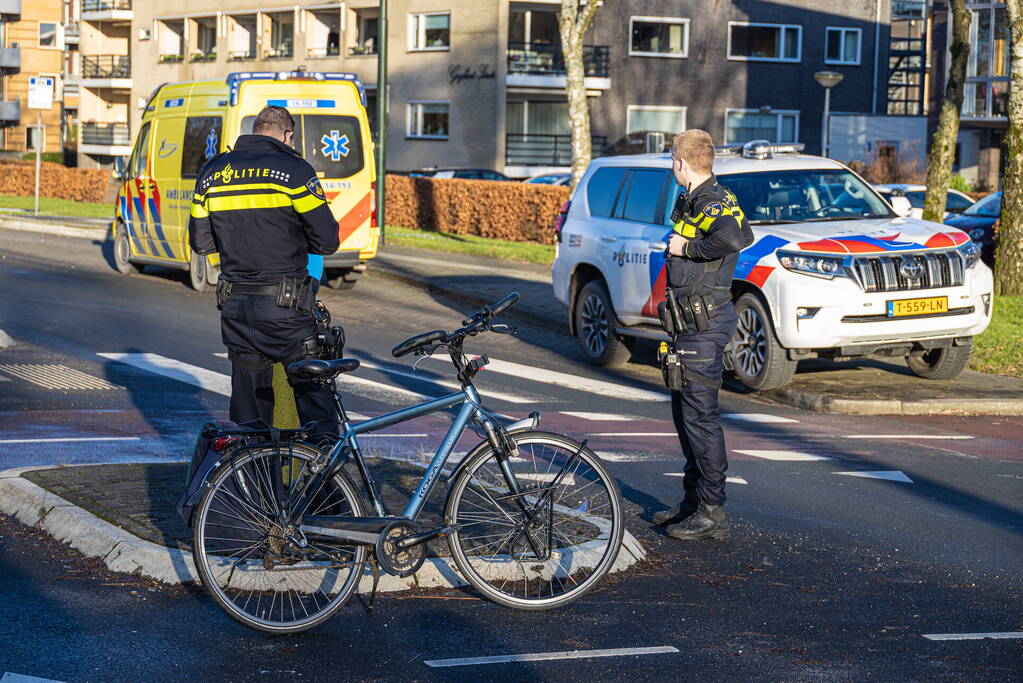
{"x": 376, "y": 580}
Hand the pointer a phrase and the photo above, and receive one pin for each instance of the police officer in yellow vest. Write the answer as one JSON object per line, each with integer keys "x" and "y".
{"x": 709, "y": 231}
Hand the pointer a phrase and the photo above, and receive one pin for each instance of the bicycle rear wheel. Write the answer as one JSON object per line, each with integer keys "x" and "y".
{"x": 575, "y": 527}
{"x": 243, "y": 553}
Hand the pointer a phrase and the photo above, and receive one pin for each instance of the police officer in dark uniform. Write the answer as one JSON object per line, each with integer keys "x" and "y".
{"x": 262, "y": 208}
{"x": 709, "y": 231}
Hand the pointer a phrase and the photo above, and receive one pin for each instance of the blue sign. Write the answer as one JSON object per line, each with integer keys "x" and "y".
{"x": 176, "y": 102}
{"x": 335, "y": 146}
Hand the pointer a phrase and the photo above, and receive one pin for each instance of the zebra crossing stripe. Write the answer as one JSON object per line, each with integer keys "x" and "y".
{"x": 757, "y": 417}
{"x": 783, "y": 456}
{"x": 209, "y": 380}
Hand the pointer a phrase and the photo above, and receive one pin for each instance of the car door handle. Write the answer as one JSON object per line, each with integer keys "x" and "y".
{"x": 609, "y": 240}
{"x": 658, "y": 246}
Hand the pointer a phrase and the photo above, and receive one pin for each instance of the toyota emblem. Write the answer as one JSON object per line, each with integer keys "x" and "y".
{"x": 911, "y": 269}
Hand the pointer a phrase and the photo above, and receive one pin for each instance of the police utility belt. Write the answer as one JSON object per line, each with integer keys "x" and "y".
{"x": 681, "y": 314}
{"x": 290, "y": 292}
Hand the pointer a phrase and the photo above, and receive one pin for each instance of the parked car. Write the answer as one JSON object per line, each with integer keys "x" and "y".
{"x": 833, "y": 271}
{"x": 550, "y": 179}
{"x": 464, "y": 173}
{"x": 955, "y": 201}
{"x": 978, "y": 222}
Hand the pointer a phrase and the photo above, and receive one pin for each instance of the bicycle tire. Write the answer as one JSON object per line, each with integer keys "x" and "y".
{"x": 239, "y": 492}
{"x": 497, "y": 576}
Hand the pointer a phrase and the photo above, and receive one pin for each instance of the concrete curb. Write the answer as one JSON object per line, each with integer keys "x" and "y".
{"x": 123, "y": 552}
{"x": 44, "y": 226}
{"x": 851, "y": 406}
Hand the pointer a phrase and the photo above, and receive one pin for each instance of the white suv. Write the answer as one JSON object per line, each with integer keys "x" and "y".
{"x": 834, "y": 271}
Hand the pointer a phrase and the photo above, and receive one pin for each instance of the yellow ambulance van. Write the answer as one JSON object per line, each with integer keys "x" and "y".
{"x": 185, "y": 124}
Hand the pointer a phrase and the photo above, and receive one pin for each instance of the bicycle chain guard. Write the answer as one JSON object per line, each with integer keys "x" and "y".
{"x": 397, "y": 561}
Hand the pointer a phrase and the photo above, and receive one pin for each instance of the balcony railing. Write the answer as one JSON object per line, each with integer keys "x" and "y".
{"x": 10, "y": 7}
{"x": 535, "y": 149}
{"x": 106, "y": 134}
{"x": 322, "y": 52}
{"x": 10, "y": 59}
{"x": 546, "y": 59}
{"x": 72, "y": 30}
{"x": 105, "y": 5}
{"x": 10, "y": 112}
{"x": 106, "y": 66}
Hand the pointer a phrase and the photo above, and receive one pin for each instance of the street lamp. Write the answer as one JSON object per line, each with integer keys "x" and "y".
{"x": 828, "y": 80}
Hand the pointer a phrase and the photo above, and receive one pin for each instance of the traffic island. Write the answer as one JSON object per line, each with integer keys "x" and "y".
{"x": 125, "y": 514}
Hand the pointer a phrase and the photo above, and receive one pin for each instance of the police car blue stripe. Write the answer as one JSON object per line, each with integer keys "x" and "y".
{"x": 750, "y": 257}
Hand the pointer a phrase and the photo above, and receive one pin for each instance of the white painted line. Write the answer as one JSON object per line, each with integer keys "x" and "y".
{"x": 907, "y": 436}
{"x": 71, "y": 439}
{"x": 384, "y": 393}
{"x": 660, "y": 434}
{"x": 625, "y": 457}
{"x": 600, "y": 417}
{"x": 4, "y": 379}
{"x": 784, "y": 456}
{"x": 174, "y": 369}
{"x": 220, "y": 355}
{"x": 729, "y": 480}
{"x": 456, "y": 265}
{"x": 357, "y": 416}
{"x": 548, "y": 656}
{"x": 445, "y": 384}
{"x": 887, "y": 475}
{"x": 757, "y": 417}
{"x": 392, "y": 436}
{"x": 569, "y": 381}
{"x": 22, "y": 678}
{"x": 973, "y": 636}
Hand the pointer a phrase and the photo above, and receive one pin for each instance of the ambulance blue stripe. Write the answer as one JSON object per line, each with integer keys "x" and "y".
{"x": 143, "y": 224}
{"x": 129, "y": 224}
{"x": 751, "y": 255}
{"x": 158, "y": 226}
{"x": 299, "y": 103}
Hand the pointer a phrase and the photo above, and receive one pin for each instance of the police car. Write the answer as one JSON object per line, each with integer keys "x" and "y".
{"x": 834, "y": 271}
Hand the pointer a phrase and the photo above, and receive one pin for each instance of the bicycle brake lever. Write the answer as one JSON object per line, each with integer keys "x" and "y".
{"x": 501, "y": 328}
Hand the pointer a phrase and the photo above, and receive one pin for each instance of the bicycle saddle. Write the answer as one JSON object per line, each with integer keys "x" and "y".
{"x": 322, "y": 369}
{"x": 417, "y": 341}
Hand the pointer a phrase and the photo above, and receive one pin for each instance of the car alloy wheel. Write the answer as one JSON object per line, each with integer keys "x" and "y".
{"x": 594, "y": 325}
{"x": 750, "y": 343}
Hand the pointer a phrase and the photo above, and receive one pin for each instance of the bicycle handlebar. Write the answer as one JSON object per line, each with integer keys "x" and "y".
{"x": 470, "y": 325}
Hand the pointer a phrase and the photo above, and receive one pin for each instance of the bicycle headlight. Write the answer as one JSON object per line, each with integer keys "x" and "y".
{"x": 970, "y": 252}
{"x": 818, "y": 266}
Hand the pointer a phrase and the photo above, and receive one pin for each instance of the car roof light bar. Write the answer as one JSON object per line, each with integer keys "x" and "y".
{"x": 758, "y": 149}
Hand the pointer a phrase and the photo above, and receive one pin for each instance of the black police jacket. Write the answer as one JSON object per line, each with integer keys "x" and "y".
{"x": 717, "y": 230}
{"x": 262, "y": 207}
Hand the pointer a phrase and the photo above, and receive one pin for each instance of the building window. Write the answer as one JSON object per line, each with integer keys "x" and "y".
{"x": 842, "y": 46}
{"x": 987, "y": 72}
{"x": 428, "y": 120}
{"x": 659, "y": 37}
{"x": 33, "y": 138}
{"x": 430, "y": 31}
{"x": 764, "y": 42}
{"x": 205, "y": 40}
{"x": 171, "y": 39}
{"x": 667, "y": 120}
{"x": 368, "y": 33}
{"x": 282, "y": 36}
{"x": 743, "y": 125}
{"x": 48, "y": 34}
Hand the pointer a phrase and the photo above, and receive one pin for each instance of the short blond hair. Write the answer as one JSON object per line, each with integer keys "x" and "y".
{"x": 696, "y": 148}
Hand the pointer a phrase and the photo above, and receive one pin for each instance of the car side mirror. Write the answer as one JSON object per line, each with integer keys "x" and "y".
{"x": 901, "y": 205}
{"x": 120, "y": 168}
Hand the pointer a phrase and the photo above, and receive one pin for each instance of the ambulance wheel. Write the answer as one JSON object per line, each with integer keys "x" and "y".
{"x": 760, "y": 361}
{"x": 943, "y": 363}
{"x": 122, "y": 252}
{"x": 201, "y": 275}
{"x": 595, "y": 323}
{"x": 341, "y": 278}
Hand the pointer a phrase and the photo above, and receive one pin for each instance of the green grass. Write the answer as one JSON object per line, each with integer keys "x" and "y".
{"x": 528, "y": 252}
{"x": 58, "y": 207}
{"x": 999, "y": 349}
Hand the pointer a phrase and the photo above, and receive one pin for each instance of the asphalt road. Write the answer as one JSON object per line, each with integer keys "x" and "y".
{"x": 852, "y": 537}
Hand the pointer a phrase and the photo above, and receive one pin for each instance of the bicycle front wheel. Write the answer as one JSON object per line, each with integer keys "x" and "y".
{"x": 546, "y": 545}
{"x": 249, "y": 560}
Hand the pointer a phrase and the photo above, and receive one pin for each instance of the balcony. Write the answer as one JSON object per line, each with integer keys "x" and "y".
{"x": 542, "y": 65}
{"x": 10, "y": 60}
{"x": 106, "y": 71}
{"x": 10, "y": 112}
{"x": 281, "y": 52}
{"x": 71, "y": 85}
{"x": 543, "y": 152}
{"x": 362, "y": 50}
{"x": 72, "y": 32}
{"x": 9, "y": 9}
{"x": 323, "y": 52}
{"x": 107, "y": 139}
{"x": 239, "y": 55}
{"x": 106, "y": 10}
{"x": 200, "y": 56}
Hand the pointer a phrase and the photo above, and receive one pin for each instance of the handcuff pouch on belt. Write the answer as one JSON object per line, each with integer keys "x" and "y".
{"x": 296, "y": 293}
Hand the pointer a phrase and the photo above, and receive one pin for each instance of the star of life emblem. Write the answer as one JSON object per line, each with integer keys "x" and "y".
{"x": 334, "y": 145}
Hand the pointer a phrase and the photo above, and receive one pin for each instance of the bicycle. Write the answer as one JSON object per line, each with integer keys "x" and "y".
{"x": 533, "y": 519}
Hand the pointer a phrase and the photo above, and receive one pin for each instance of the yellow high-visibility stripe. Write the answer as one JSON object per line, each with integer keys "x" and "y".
{"x": 307, "y": 203}
{"x": 199, "y": 211}
{"x": 248, "y": 201}
{"x": 685, "y": 228}
{"x": 257, "y": 186}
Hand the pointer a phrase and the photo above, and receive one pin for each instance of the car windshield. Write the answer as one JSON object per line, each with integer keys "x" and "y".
{"x": 804, "y": 195}
{"x": 990, "y": 205}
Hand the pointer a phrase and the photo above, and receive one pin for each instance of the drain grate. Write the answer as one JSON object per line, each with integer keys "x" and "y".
{"x": 57, "y": 377}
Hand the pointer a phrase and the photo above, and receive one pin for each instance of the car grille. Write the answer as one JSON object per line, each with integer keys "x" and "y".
{"x": 884, "y": 274}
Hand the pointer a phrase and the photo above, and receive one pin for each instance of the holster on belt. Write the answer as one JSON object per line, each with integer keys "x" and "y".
{"x": 296, "y": 293}
{"x": 223, "y": 292}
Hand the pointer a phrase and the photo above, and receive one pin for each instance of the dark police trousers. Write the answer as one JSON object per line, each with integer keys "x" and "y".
{"x": 254, "y": 328}
{"x": 695, "y": 409}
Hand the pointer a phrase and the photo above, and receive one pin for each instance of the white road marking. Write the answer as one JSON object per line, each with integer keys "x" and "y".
{"x": 729, "y": 480}
{"x": 625, "y": 457}
{"x": 569, "y": 381}
{"x": 446, "y": 384}
{"x": 221, "y": 355}
{"x": 174, "y": 369}
{"x": 784, "y": 456}
{"x": 71, "y": 439}
{"x": 57, "y": 377}
{"x": 887, "y": 475}
{"x": 392, "y": 436}
{"x": 600, "y": 417}
{"x": 973, "y": 636}
{"x": 659, "y": 434}
{"x": 757, "y": 417}
{"x": 548, "y": 656}
{"x": 22, "y": 678}
{"x": 456, "y": 265}
{"x": 907, "y": 436}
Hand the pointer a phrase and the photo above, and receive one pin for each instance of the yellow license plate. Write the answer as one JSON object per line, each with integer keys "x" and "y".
{"x": 934, "y": 304}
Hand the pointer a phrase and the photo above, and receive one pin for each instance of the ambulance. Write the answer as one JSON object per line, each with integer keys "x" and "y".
{"x": 186, "y": 124}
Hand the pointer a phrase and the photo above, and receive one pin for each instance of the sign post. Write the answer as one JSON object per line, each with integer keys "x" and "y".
{"x": 381, "y": 160}
{"x": 40, "y": 97}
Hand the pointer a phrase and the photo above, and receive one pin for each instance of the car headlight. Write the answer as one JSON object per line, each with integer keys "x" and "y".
{"x": 970, "y": 252}
{"x": 818, "y": 266}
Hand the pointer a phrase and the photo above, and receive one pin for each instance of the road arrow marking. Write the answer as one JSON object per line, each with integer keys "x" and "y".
{"x": 887, "y": 475}
{"x": 784, "y": 456}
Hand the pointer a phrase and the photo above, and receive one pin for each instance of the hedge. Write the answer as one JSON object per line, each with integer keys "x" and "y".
{"x": 55, "y": 180}
{"x": 506, "y": 210}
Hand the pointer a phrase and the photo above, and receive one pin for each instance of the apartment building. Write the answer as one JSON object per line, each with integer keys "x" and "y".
{"x": 104, "y": 81}
{"x": 31, "y": 44}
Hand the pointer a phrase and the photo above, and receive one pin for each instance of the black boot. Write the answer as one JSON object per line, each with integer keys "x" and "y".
{"x": 709, "y": 521}
{"x": 679, "y": 512}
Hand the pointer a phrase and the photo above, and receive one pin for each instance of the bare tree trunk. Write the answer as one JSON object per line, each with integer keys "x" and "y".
{"x": 573, "y": 21}
{"x": 1009, "y": 258}
{"x": 943, "y": 146}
